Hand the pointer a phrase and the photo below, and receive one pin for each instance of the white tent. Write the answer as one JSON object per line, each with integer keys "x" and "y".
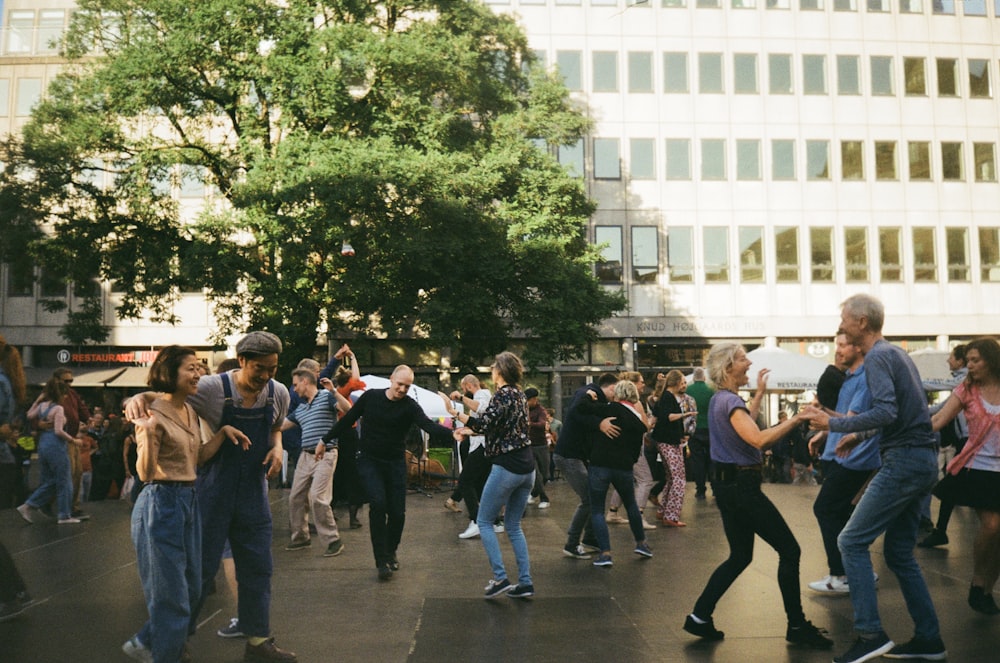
{"x": 429, "y": 400}
{"x": 789, "y": 371}
{"x": 932, "y": 364}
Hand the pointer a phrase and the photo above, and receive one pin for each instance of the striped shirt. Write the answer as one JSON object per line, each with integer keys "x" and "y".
{"x": 315, "y": 418}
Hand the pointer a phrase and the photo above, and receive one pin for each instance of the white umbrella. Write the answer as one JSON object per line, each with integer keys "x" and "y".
{"x": 789, "y": 371}
{"x": 932, "y": 364}
{"x": 429, "y": 400}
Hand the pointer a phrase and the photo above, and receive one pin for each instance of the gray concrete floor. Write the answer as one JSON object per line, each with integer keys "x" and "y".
{"x": 89, "y": 599}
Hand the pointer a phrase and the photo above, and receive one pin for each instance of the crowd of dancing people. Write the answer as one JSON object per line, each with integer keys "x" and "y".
{"x": 202, "y": 450}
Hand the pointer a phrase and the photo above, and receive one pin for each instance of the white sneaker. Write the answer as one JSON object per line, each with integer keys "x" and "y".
{"x": 646, "y": 525}
{"x": 615, "y": 518}
{"x": 27, "y": 512}
{"x": 471, "y": 532}
{"x": 831, "y": 585}
{"x": 532, "y": 500}
{"x": 69, "y": 521}
{"x": 498, "y": 528}
{"x": 544, "y": 505}
{"x": 137, "y": 651}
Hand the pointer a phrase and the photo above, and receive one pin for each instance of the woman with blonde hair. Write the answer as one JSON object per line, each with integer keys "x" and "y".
{"x": 668, "y": 432}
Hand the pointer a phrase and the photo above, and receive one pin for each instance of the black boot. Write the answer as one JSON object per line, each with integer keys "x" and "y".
{"x": 982, "y": 602}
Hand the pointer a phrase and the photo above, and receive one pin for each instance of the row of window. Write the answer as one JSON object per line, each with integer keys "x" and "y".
{"x": 855, "y": 160}
{"x": 28, "y": 32}
{"x": 758, "y": 247}
{"x": 938, "y": 7}
{"x": 952, "y": 77}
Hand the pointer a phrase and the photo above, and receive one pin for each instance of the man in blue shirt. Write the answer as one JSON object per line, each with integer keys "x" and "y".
{"x": 891, "y": 503}
{"x": 843, "y": 477}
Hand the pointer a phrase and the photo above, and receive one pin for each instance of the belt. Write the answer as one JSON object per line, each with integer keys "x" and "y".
{"x": 727, "y": 472}
{"x": 173, "y": 484}
{"x": 312, "y": 450}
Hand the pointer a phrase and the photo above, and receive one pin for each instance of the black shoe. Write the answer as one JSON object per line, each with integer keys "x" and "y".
{"x": 920, "y": 648}
{"x": 497, "y": 588}
{"x": 699, "y": 495}
{"x": 80, "y": 515}
{"x": 982, "y": 602}
{"x": 267, "y": 651}
{"x": 706, "y": 631}
{"x": 355, "y": 524}
{"x": 384, "y": 572}
{"x": 809, "y": 636}
{"x": 522, "y": 591}
{"x": 935, "y": 538}
{"x": 864, "y": 650}
{"x": 394, "y": 563}
{"x": 335, "y": 548}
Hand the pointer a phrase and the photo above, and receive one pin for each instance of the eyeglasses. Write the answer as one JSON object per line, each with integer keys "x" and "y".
{"x": 68, "y": 380}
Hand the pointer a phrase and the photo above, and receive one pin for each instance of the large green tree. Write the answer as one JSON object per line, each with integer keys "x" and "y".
{"x": 419, "y": 132}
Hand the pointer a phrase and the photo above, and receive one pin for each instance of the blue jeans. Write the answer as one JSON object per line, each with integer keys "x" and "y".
{"x": 385, "y": 484}
{"x": 505, "y": 488}
{"x": 601, "y": 478}
{"x": 576, "y": 474}
{"x": 891, "y": 504}
{"x": 166, "y": 532}
{"x": 55, "y": 476}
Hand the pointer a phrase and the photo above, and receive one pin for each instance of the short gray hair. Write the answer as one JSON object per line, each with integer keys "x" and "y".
{"x": 698, "y": 375}
{"x": 625, "y": 390}
{"x": 863, "y": 305}
{"x": 720, "y": 359}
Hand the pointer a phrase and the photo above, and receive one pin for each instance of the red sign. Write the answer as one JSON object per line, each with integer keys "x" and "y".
{"x": 133, "y": 357}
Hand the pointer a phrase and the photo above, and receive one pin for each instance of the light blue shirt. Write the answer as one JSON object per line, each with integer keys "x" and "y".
{"x": 854, "y": 397}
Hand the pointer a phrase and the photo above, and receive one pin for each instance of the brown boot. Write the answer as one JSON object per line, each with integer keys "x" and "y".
{"x": 267, "y": 652}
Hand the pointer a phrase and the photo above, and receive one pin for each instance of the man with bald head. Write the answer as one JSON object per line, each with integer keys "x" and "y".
{"x": 386, "y": 417}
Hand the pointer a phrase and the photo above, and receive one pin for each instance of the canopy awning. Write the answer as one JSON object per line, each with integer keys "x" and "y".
{"x": 81, "y": 378}
{"x": 133, "y": 377}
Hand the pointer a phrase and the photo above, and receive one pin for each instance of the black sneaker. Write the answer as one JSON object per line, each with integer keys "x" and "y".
{"x": 935, "y": 538}
{"x": 522, "y": 591}
{"x": 231, "y": 631}
{"x": 299, "y": 545}
{"x": 394, "y": 563}
{"x": 706, "y": 631}
{"x": 576, "y": 552}
{"x": 497, "y": 588}
{"x": 922, "y": 648}
{"x": 809, "y": 636}
{"x": 384, "y": 572}
{"x": 591, "y": 545}
{"x": 335, "y": 548}
{"x": 80, "y": 515}
{"x": 982, "y": 602}
{"x": 864, "y": 650}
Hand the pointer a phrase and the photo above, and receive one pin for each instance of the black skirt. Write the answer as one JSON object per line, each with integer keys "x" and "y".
{"x": 979, "y": 489}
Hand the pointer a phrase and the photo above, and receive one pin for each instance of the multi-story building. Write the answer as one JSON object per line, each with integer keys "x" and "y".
{"x": 754, "y": 162}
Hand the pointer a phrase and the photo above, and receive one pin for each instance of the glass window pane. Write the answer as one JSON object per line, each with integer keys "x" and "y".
{"x": 20, "y": 31}
{"x": 985, "y": 157}
{"x": 748, "y": 159}
{"x": 643, "y": 158}
{"x": 716, "y": 248}
{"x": 989, "y": 254}
{"x": 848, "y": 74}
{"x": 745, "y": 73}
{"x": 4, "y": 97}
{"x": 852, "y": 160}
{"x": 645, "y": 254}
{"x": 845, "y": 5}
{"x": 856, "y": 254}
{"x": 786, "y": 248}
{"x": 707, "y": 4}
{"x": 778, "y": 4}
{"x": 924, "y": 259}
{"x": 607, "y": 162}
{"x": 20, "y": 277}
{"x": 713, "y": 159}
{"x": 779, "y": 73}
{"x": 605, "y": 71}
{"x": 675, "y": 74}
{"x": 640, "y": 72}
{"x": 821, "y": 254}
{"x": 51, "y": 23}
{"x": 817, "y": 160}
{"x": 952, "y": 166}
{"x": 680, "y": 254}
{"x": 783, "y": 159}
{"x": 29, "y": 92}
{"x": 882, "y": 76}
{"x": 947, "y": 77}
{"x": 52, "y": 283}
{"x": 811, "y": 5}
{"x": 609, "y": 269}
{"x": 943, "y": 6}
{"x": 814, "y": 74}
{"x": 979, "y": 79}
{"x": 751, "y": 254}
{"x": 678, "y": 159}
{"x": 885, "y": 160}
{"x": 571, "y": 156}
{"x": 570, "y": 65}
{"x": 744, "y": 4}
{"x": 913, "y": 74}
{"x": 710, "y": 73}
{"x": 974, "y": 7}
{"x": 911, "y": 7}
{"x": 674, "y": 3}
{"x": 192, "y": 182}
{"x": 920, "y": 160}
{"x": 957, "y": 240}
{"x": 878, "y": 5}
{"x": 889, "y": 255}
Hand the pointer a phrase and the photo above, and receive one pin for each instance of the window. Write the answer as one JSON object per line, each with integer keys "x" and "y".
{"x": 645, "y": 254}
{"x": 878, "y": 5}
{"x": 856, "y": 254}
{"x": 192, "y": 182}
{"x": 570, "y": 66}
{"x": 745, "y": 73}
{"x": 852, "y": 160}
{"x": 609, "y": 269}
{"x": 979, "y": 79}
{"x": 885, "y": 160}
{"x": 29, "y": 92}
{"x": 786, "y": 248}
{"x": 783, "y": 159}
{"x": 924, "y": 260}
{"x": 20, "y": 31}
{"x": 920, "y": 160}
{"x": 811, "y": 5}
{"x": 821, "y": 253}
{"x": 20, "y": 277}
{"x": 779, "y": 73}
{"x": 848, "y": 74}
{"x": 643, "y": 158}
{"x": 675, "y": 3}
{"x": 814, "y": 74}
{"x": 571, "y": 156}
{"x": 957, "y": 244}
{"x": 744, "y": 4}
{"x": 678, "y": 159}
{"x": 952, "y": 166}
{"x": 751, "y": 254}
{"x": 882, "y": 76}
{"x": 974, "y": 7}
{"x": 817, "y": 160}
{"x": 845, "y": 5}
{"x": 707, "y": 4}
{"x": 675, "y": 72}
{"x": 710, "y": 73}
{"x": 50, "y": 28}
{"x": 916, "y": 80}
{"x": 778, "y": 4}
{"x": 52, "y": 283}
{"x": 713, "y": 159}
{"x": 947, "y": 77}
{"x": 680, "y": 254}
{"x": 607, "y": 162}
{"x": 943, "y": 6}
{"x": 640, "y": 72}
{"x": 748, "y": 159}
{"x": 605, "y": 71}
{"x": 4, "y": 97}
{"x": 989, "y": 254}
{"x": 911, "y": 7}
{"x": 716, "y": 247}
{"x": 985, "y": 162}
{"x": 889, "y": 255}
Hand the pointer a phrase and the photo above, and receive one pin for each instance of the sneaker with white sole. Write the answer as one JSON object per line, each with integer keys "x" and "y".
{"x": 497, "y": 588}
{"x": 831, "y": 585}
{"x": 866, "y": 649}
{"x": 615, "y": 518}
{"x": 498, "y": 528}
{"x": 27, "y": 512}
{"x": 576, "y": 552}
{"x": 471, "y": 532}
{"x": 532, "y": 500}
{"x": 137, "y": 651}
{"x": 231, "y": 631}
{"x": 544, "y": 505}
{"x": 521, "y": 591}
{"x": 69, "y": 521}
{"x": 920, "y": 648}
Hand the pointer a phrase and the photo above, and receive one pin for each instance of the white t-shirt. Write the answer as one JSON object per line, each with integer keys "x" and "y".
{"x": 482, "y": 396}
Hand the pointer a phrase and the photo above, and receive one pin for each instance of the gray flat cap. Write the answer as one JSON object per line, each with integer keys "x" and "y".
{"x": 259, "y": 343}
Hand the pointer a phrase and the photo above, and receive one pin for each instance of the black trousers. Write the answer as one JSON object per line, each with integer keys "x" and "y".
{"x": 475, "y": 472}
{"x": 833, "y": 507}
{"x": 699, "y": 461}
